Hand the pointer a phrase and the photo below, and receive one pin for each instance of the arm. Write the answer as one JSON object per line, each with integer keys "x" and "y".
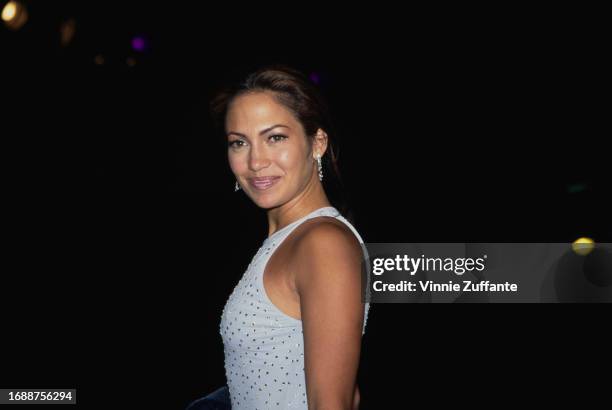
{"x": 327, "y": 278}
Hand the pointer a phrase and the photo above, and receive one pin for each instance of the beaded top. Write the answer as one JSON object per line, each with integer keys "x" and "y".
{"x": 264, "y": 347}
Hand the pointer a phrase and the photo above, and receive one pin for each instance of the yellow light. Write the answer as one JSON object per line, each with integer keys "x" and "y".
{"x": 14, "y": 15}
{"x": 583, "y": 246}
{"x": 9, "y": 11}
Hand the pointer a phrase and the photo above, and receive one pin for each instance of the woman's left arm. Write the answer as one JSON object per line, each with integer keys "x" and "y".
{"x": 328, "y": 280}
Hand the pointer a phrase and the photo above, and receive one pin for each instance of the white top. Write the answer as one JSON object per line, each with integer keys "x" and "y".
{"x": 264, "y": 347}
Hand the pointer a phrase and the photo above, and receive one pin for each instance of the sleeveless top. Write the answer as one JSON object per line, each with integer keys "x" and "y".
{"x": 264, "y": 347}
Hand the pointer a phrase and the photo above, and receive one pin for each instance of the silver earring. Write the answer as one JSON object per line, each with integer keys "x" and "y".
{"x": 320, "y": 167}
{"x": 237, "y": 187}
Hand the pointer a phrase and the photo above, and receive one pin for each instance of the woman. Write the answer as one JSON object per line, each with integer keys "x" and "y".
{"x": 292, "y": 327}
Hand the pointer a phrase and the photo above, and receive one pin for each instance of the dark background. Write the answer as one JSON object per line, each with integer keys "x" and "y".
{"x": 124, "y": 235}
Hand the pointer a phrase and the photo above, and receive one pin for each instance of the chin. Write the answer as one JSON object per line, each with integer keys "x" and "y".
{"x": 267, "y": 201}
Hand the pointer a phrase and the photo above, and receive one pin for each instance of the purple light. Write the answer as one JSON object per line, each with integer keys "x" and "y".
{"x": 314, "y": 77}
{"x": 139, "y": 43}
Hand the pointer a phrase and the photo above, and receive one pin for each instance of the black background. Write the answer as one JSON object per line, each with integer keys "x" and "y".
{"x": 124, "y": 235}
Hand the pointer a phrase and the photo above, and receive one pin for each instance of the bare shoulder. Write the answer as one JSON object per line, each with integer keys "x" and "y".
{"x": 326, "y": 242}
{"x": 327, "y": 233}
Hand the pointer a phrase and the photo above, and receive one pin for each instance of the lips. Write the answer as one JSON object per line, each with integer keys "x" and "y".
{"x": 263, "y": 183}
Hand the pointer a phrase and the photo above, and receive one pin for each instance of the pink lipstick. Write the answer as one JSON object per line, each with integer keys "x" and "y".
{"x": 263, "y": 183}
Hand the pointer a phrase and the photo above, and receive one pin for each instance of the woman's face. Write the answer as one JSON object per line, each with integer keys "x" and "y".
{"x": 268, "y": 150}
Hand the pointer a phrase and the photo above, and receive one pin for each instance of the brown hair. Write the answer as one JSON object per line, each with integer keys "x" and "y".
{"x": 296, "y": 92}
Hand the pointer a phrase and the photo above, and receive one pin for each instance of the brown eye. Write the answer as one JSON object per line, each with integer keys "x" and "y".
{"x": 277, "y": 137}
{"x": 235, "y": 143}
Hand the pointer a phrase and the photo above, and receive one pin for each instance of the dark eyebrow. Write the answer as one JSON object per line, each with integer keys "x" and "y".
{"x": 262, "y": 132}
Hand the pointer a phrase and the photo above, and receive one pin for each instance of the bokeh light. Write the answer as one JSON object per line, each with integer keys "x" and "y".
{"x": 9, "y": 11}
{"x": 99, "y": 59}
{"x": 583, "y": 246}
{"x": 315, "y": 78}
{"x": 14, "y": 15}
{"x": 140, "y": 44}
{"x": 67, "y": 31}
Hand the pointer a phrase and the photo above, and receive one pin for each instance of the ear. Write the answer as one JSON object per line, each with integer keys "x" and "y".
{"x": 319, "y": 143}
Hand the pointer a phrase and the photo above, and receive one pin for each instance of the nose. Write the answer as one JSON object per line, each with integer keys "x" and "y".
{"x": 258, "y": 160}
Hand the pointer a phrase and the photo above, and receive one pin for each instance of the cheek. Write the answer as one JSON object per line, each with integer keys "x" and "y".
{"x": 290, "y": 159}
{"x": 237, "y": 163}
{"x": 285, "y": 158}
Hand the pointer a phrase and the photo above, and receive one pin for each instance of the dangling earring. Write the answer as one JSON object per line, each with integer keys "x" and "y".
{"x": 320, "y": 167}
{"x": 237, "y": 187}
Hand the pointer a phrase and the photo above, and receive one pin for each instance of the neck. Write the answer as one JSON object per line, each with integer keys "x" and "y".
{"x": 309, "y": 200}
